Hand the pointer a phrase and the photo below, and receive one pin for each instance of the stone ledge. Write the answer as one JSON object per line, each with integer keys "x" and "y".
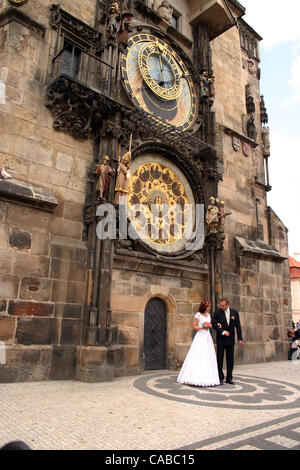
{"x": 11, "y": 14}
{"x": 146, "y": 263}
{"x": 257, "y": 249}
{"x": 260, "y": 184}
{"x": 28, "y": 194}
{"x": 233, "y": 133}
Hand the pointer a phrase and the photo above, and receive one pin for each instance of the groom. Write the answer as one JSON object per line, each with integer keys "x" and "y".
{"x": 225, "y": 321}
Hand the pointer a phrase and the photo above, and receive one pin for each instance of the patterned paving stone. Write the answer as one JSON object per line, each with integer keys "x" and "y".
{"x": 153, "y": 412}
{"x": 284, "y": 441}
{"x": 247, "y": 447}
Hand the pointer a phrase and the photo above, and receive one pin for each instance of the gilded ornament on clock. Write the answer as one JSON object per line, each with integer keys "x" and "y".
{"x": 156, "y": 188}
{"x": 18, "y": 3}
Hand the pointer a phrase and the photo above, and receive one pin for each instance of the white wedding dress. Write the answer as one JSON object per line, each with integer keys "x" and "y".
{"x": 200, "y": 365}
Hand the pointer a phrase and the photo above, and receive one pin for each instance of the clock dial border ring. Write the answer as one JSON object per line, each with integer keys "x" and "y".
{"x": 182, "y": 112}
{"x": 177, "y": 246}
{"x": 165, "y": 93}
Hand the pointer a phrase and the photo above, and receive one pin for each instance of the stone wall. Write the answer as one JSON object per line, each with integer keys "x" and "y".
{"x": 256, "y": 285}
{"x": 42, "y": 292}
{"x": 42, "y": 255}
{"x": 182, "y": 290}
{"x": 44, "y": 262}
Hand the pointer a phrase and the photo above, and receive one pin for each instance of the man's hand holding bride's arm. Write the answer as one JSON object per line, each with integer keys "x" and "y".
{"x": 225, "y": 333}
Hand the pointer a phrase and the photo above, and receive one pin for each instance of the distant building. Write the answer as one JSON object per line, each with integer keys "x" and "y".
{"x": 295, "y": 285}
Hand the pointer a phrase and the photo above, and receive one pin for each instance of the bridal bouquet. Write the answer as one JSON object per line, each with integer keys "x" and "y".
{"x": 206, "y": 325}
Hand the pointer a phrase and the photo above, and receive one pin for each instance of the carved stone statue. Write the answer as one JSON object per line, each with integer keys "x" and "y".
{"x": 122, "y": 177}
{"x": 207, "y": 86}
{"x": 263, "y": 111}
{"x": 251, "y": 129}
{"x": 212, "y": 216}
{"x": 204, "y": 84}
{"x": 165, "y": 11}
{"x": 104, "y": 173}
{"x": 222, "y": 215}
{"x": 266, "y": 141}
{"x": 250, "y": 105}
{"x": 155, "y": 5}
{"x": 211, "y": 90}
{"x": 112, "y": 22}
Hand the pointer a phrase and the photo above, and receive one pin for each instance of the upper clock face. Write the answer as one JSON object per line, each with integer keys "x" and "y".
{"x": 158, "y": 81}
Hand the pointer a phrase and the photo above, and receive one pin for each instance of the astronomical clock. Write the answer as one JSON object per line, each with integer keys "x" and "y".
{"x": 158, "y": 81}
{"x": 160, "y": 204}
{"x": 160, "y": 199}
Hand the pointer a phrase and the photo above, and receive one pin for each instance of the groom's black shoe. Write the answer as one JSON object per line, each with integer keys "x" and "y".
{"x": 229, "y": 381}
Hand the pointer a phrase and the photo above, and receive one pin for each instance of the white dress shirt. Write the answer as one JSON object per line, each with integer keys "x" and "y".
{"x": 227, "y": 315}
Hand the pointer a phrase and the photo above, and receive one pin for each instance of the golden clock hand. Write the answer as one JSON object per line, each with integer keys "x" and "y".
{"x": 161, "y": 68}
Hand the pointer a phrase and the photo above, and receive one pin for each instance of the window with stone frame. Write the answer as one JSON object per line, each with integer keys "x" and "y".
{"x": 249, "y": 41}
{"x": 75, "y": 40}
{"x": 176, "y": 20}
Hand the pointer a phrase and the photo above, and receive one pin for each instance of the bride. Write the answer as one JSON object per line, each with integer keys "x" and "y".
{"x": 200, "y": 365}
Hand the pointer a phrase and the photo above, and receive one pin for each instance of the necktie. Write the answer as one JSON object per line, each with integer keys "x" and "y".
{"x": 227, "y": 315}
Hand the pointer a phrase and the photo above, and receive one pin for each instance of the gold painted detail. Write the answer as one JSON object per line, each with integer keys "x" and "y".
{"x": 18, "y": 2}
{"x": 167, "y": 84}
{"x": 158, "y": 204}
{"x": 158, "y": 81}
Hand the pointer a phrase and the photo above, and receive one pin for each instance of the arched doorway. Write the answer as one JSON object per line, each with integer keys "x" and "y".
{"x": 155, "y": 324}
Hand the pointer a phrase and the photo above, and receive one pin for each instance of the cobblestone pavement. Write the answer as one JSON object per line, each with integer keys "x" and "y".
{"x": 152, "y": 412}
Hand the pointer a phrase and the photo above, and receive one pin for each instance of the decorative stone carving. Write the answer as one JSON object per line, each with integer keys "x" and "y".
{"x": 266, "y": 141}
{"x": 62, "y": 19}
{"x": 212, "y": 216}
{"x": 251, "y": 66}
{"x": 122, "y": 178}
{"x": 165, "y": 11}
{"x": 236, "y": 143}
{"x": 76, "y": 108}
{"x": 104, "y": 173}
{"x": 222, "y": 215}
{"x": 263, "y": 112}
{"x": 207, "y": 86}
{"x": 251, "y": 129}
{"x": 246, "y": 149}
{"x": 124, "y": 30}
{"x": 155, "y": 5}
{"x": 117, "y": 20}
{"x": 113, "y": 21}
{"x": 250, "y": 105}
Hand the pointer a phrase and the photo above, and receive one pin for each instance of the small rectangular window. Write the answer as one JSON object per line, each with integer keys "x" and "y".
{"x": 176, "y": 20}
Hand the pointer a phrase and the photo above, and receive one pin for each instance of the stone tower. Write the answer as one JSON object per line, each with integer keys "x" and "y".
{"x": 134, "y": 137}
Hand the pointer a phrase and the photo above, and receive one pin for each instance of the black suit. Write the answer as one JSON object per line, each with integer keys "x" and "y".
{"x": 226, "y": 343}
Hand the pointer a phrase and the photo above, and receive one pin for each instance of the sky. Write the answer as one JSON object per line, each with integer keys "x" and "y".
{"x": 278, "y": 24}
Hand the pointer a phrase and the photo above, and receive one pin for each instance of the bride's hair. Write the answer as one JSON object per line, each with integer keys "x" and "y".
{"x": 203, "y": 306}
